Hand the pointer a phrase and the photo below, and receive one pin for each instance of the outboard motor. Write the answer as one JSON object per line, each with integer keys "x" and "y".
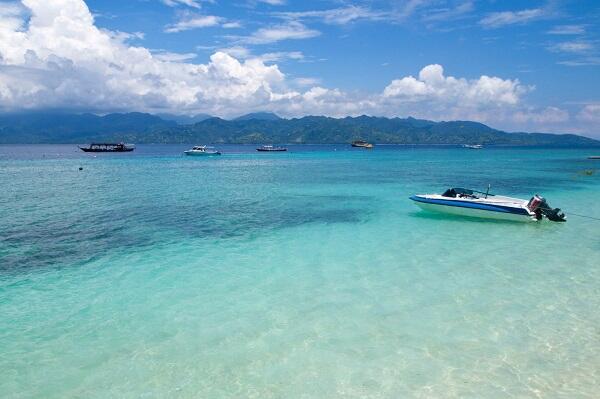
{"x": 534, "y": 203}
{"x": 541, "y": 208}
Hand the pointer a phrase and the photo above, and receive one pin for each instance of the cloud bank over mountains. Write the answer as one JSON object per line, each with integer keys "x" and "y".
{"x": 52, "y": 55}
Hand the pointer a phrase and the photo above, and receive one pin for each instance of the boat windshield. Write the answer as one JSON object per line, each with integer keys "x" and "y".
{"x": 460, "y": 193}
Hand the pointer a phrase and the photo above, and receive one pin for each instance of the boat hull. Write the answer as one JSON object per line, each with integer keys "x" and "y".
{"x": 263, "y": 150}
{"x": 201, "y": 154}
{"x": 473, "y": 210}
{"x": 105, "y": 150}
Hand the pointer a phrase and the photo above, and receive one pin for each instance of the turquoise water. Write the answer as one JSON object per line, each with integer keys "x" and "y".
{"x": 306, "y": 274}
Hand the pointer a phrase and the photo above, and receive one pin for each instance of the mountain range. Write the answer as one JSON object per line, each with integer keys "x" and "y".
{"x": 260, "y": 128}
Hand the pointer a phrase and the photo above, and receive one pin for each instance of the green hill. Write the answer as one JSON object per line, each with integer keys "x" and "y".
{"x": 263, "y": 128}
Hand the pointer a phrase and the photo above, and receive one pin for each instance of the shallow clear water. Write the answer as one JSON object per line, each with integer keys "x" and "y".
{"x": 303, "y": 274}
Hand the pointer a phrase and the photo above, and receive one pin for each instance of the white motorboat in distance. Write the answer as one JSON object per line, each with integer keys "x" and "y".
{"x": 473, "y": 146}
{"x": 472, "y": 203}
{"x": 202, "y": 150}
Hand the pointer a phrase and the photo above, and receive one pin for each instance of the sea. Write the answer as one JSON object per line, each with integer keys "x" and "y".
{"x": 305, "y": 274}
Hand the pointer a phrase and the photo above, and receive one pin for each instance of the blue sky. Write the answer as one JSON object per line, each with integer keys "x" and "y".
{"x": 515, "y": 65}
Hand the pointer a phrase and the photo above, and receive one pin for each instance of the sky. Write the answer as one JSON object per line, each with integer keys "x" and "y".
{"x": 514, "y": 65}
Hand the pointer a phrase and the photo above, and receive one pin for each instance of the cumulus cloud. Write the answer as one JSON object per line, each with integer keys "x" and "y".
{"x": 61, "y": 59}
{"x": 433, "y": 85}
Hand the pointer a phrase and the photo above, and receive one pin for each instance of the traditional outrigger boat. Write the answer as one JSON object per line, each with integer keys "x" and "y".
{"x": 270, "y": 148}
{"x": 472, "y": 203}
{"x": 108, "y": 147}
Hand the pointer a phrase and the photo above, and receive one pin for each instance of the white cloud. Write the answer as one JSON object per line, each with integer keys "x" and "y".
{"x": 586, "y": 61}
{"x": 193, "y": 21}
{"x": 307, "y": 81}
{"x": 232, "y": 25}
{"x": 175, "y": 3}
{"x": 273, "y": 2}
{"x": 126, "y": 36}
{"x": 590, "y": 113}
{"x": 61, "y": 59}
{"x": 237, "y": 51}
{"x": 242, "y": 52}
{"x": 567, "y": 30}
{"x": 336, "y": 16}
{"x": 281, "y": 56}
{"x": 289, "y": 31}
{"x": 173, "y": 57}
{"x": 499, "y": 19}
{"x": 11, "y": 9}
{"x": 433, "y": 85}
{"x": 545, "y": 116}
{"x": 577, "y": 46}
{"x": 11, "y": 17}
{"x": 449, "y": 13}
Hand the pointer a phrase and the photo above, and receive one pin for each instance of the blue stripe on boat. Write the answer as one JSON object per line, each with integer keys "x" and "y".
{"x": 464, "y": 204}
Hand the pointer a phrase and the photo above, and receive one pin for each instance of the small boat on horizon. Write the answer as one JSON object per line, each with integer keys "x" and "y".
{"x": 472, "y": 203}
{"x": 108, "y": 147}
{"x": 202, "y": 150}
{"x": 362, "y": 144}
{"x": 594, "y": 157}
{"x": 270, "y": 148}
{"x": 473, "y": 146}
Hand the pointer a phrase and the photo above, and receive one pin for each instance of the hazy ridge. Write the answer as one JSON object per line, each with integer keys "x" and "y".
{"x": 262, "y": 128}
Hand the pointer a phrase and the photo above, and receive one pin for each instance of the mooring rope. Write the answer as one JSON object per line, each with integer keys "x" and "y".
{"x": 567, "y": 213}
{"x": 582, "y": 216}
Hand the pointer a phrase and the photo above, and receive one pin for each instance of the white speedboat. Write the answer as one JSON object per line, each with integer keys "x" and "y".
{"x": 362, "y": 144}
{"x": 202, "y": 150}
{"x": 465, "y": 202}
{"x": 473, "y": 146}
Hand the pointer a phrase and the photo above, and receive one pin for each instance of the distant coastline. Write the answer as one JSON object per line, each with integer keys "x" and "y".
{"x": 262, "y": 128}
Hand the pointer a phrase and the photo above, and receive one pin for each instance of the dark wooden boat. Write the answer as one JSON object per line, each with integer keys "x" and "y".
{"x": 108, "y": 147}
{"x": 270, "y": 148}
